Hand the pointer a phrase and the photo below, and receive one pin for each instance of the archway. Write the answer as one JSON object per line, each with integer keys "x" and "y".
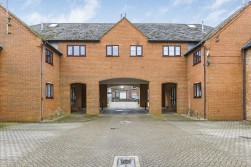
{"x": 78, "y": 98}
{"x": 124, "y": 95}
{"x": 169, "y": 97}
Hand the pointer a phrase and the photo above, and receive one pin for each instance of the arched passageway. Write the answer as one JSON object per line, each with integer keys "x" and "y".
{"x": 124, "y": 95}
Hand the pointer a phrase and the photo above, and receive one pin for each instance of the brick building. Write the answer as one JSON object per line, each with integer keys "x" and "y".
{"x": 50, "y": 69}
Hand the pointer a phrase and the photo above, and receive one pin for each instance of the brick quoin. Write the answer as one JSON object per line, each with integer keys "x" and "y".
{"x": 21, "y": 65}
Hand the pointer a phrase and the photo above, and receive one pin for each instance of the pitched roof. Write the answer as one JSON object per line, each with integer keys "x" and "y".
{"x": 220, "y": 26}
{"x": 94, "y": 31}
{"x": 247, "y": 45}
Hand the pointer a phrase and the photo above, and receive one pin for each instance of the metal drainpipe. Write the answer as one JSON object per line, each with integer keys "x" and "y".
{"x": 42, "y": 81}
{"x": 205, "y": 84}
{"x": 244, "y": 84}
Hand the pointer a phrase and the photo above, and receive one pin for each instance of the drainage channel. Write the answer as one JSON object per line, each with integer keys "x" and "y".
{"x": 126, "y": 161}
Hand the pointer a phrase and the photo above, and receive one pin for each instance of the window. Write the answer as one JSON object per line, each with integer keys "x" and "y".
{"x": 112, "y": 50}
{"x": 49, "y": 57}
{"x": 196, "y": 57}
{"x": 76, "y": 50}
{"x": 197, "y": 90}
{"x": 171, "y": 51}
{"x": 136, "y": 50}
{"x": 49, "y": 90}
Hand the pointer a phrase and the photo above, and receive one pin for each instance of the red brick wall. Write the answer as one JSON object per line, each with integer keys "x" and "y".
{"x": 248, "y": 83}
{"x": 195, "y": 74}
{"x": 96, "y": 67}
{"x": 51, "y": 75}
{"x": 224, "y": 74}
{"x": 20, "y": 69}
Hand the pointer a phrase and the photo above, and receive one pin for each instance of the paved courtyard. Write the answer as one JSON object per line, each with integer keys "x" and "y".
{"x": 157, "y": 143}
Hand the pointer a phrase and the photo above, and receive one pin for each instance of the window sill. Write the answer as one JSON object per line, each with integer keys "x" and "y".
{"x": 77, "y": 56}
{"x": 50, "y": 63}
{"x": 112, "y": 56}
{"x": 49, "y": 97}
{"x": 172, "y": 56}
{"x": 197, "y": 97}
{"x": 196, "y": 63}
{"x": 136, "y": 56}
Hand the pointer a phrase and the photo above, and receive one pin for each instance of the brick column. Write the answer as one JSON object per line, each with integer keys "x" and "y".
{"x": 155, "y": 97}
{"x": 143, "y": 94}
{"x": 103, "y": 95}
{"x": 92, "y": 98}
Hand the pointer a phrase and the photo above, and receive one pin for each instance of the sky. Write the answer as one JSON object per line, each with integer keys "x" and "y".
{"x": 211, "y": 12}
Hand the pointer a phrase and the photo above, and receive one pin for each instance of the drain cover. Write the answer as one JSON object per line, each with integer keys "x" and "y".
{"x": 126, "y": 161}
{"x": 125, "y": 122}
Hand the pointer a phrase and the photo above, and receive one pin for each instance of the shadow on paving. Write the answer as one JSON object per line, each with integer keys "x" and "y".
{"x": 124, "y": 111}
{"x": 76, "y": 117}
{"x": 171, "y": 116}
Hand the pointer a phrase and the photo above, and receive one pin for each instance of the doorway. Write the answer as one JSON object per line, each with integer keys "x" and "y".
{"x": 169, "y": 97}
{"x": 78, "y": 98}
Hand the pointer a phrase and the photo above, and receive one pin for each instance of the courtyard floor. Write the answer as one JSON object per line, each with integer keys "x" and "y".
{"x": 157, "y": 143}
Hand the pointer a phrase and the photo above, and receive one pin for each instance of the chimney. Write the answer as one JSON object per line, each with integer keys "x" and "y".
{"x": 202, "y": 27}
{"x": 42, "y": 26}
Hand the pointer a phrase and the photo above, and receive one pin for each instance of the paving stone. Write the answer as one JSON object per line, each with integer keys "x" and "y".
{"x": 157, "y": 143}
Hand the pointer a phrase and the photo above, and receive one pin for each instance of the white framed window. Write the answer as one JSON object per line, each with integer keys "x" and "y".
{"x": 171, "y": 50}
{"x": 49, "y": 90}
{"x": 112, "y": 50}
{"x": 136, "y": 50}
{"x": 76, "y": 50}
{"x": 197, "y": 90}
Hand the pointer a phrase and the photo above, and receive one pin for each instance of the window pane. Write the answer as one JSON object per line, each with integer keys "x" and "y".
{"x": 47, "y": 90}
{"x": 70, "y": 50}
{"x": 76, "y": 50}
{"x": 171, "y": 50}
{"x": 133, "y": 50}
{"x": 165, "y": 50}
{"x": 177, "y": 51}
{"x": 115, "y": 50}
{"x": 139, "y": 51}
{"x": 82, "y": 50}
{"x": 109, "y": 50}
{"x": 52, "y": 90}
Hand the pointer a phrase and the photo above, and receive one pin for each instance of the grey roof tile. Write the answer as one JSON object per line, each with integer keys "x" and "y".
{"x": 247, "y": 45}
{"x": 95, "y": 31}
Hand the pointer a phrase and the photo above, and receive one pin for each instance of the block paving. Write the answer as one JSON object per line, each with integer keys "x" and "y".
{"x": 157, "y": 143}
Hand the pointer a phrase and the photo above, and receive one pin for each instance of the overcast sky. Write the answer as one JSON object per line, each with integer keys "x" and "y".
{"x": 212, "y": 12}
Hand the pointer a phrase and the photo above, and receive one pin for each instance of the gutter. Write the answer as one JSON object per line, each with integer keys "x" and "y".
{"x": 42, "y": 79}
{"x": 205, "y": 85}
{"x": 244, "y": 84}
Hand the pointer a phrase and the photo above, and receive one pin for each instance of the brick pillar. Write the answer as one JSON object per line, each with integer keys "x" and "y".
{"x": 155, "y": 98}
{"x": 143, "y": 94}
{"x": 92, "y": 98}
{"x": 103, "y": 95}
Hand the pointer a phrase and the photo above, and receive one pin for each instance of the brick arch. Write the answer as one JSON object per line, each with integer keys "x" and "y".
{"x": 123, "y": 80}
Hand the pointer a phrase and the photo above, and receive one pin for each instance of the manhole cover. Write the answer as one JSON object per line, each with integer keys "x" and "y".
{"x": 125, "y": 122}
{"x": 126, "y": 161}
